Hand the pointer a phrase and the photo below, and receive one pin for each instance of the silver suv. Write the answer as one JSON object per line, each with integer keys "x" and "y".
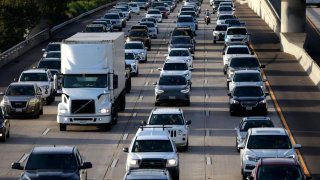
{"x": 153, "y": 148}
{"x": 265, "y": 143}
{"x": 236, "y": 35}
{"x": 173, "y": 120}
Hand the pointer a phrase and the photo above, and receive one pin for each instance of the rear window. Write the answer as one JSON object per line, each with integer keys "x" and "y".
{"x": 221, "y": 28}
{"x": 238, "y": 50}
{"x": 50, "y": 64}
{"x": 133, "y": 46}
{"x": 280, "y": 172}
{"x": 237, "y": 31}
{"x": 129, "y": 56}
{"x": 179, "y": 53}
{"x": 255, "y": 124}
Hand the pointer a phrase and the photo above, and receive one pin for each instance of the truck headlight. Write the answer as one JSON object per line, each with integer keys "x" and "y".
{"x": 171, "y": 162}
{"x": 141, "y": 53}
{"x": 105, "y": 111}
{"x": 5, "y": 101}
{"x": 252, "y": 158}
{"x": 133, "y": 163}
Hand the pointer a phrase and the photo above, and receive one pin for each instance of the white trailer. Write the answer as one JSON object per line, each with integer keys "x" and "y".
{"x": 92, "y": 80}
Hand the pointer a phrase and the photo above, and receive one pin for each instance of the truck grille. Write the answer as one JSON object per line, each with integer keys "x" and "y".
{"x": 84, "y": 106}
{"x": 173, "y": 133}
{"x": 249, "y": 103}
{"x": 236, "y": 40}
{"x": 18, "y": 104}
{"x": 153, "y": 163}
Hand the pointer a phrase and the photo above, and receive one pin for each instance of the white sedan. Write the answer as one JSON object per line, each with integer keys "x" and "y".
{"x": 181, "y": 54}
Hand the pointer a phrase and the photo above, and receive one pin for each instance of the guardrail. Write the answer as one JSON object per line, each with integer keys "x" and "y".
{"x": 19, "y": 49}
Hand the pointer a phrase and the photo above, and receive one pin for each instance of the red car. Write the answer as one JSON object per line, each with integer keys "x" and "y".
{"x": 164, "y": 11}
{"x": 277, "y": 168}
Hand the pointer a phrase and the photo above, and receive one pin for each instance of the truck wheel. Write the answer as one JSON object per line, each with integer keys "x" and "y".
{"x": 114, "y": 115}
{"x": 128, "y": 85}
{"x": 157, "y": 104}
{"x": 41, "y": 111}
{"x": 63, "y": 127}
{"x": 214, "y": 42}
{"x": 122, "y": 102}
{"x": 149, "y": 46}
{"x": 120, "y": 29}
{"x": 186, "y": 147}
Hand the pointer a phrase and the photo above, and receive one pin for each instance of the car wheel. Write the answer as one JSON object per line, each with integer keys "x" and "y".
{"x": 187, "y": 103}
{"x": 41, "y": 111}
{"x": 214, "y": 42}
{"x": 232, "y": 113}
{"x": 149, "y": 47}
{"x": 157, "y": 104}
{"x": 62, "y": 127}
{"x": 48, "y": 100}
{"x": 114, "y": 115}
{"x": 120, "y": 29}
{"x": 108, "y": 127}
{"x": 186, "y": 147}
{"x": 3, "y": 139}
{"x": 238, "y": 150}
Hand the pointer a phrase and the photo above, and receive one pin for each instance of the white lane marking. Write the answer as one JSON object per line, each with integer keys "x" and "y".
{"x": 114, "y": 163}
{"x": 207, "y": 132}
{"x": 207, "y": 113}
{"x": 46, "y": 132}
{"x": 206, "y": 81}
{"x": 125, "y": 136}
{"x": 147, "y": 83}
{"x": 140, "y": 98}
{"x": 151, "y": 71}
{"x": 134, "y": 114}
{"x": 208, "y": 160}
{"x": 206, "y": 60}
{"x": 207, "y": 96}
{"x": 23, "y": 158}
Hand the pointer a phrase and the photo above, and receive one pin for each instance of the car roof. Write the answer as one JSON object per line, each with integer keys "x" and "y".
{"x": 167, "y": 111}
{"x": 36, "y": 70}
{"x": 179, "y": 49}
{"x": 278, "y": 161}
{"x": 247, "y": 71}
{"x": 23, "y": 83}
{"x": 147, "y": 173}
{"x": 237, "y": 27}
{"x": 53, "y": 150}
{"x": 237, "y": 46}
{"x": 175, "y": 61}
{"x": 257, "y": 118}
{"x": 154, "y": 133}
{"x": 185, "y": 16}
{"x": 268, "y": 131}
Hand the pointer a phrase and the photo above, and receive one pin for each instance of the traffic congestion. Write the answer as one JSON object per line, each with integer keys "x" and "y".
{"x": 94, "y": 79}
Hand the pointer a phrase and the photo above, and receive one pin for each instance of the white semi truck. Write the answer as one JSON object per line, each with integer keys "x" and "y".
{"x": 92, "y": 80}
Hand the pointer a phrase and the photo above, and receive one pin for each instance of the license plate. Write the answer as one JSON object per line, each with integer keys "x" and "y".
{"x": 19, "y": 110}
{"x": 248, "y": 108}
{"x": 172, "y": 97}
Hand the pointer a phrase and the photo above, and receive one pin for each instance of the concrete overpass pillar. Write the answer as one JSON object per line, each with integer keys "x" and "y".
{"x": 293, "y": 16}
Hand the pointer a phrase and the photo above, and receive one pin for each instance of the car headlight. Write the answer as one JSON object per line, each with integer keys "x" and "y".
{"x": 172, "y": 162}
{"x": 159, "y": 91}
{"x": 263, "y": 101}
{"x": 187, "y": 75}
{"x": 291, "y": 156}
{"x": 5, "y": 101}
{"x": 252, "y": 158}
{"x": 45, "y": 87}
{"x": 188, "y": 60}
{"x": 105, "y": 111}
{"x": 141, "y": 53}
{"x": 185, "y": 90}
{"x": 32, "y": 102}
{"x": 215, "y": 33}
{"x": 133, "y": 162}
{"x": 234, "y": 101}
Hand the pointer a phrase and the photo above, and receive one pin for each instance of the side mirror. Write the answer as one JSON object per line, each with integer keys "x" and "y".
{"x": 125, "y": 149}
{"x": 55, "y": 82}
{"x": 16, "y": 165}
{"x": 249, "y": 178}
{"x": 266, "y": 94}
{"x": 115, "y": 81}
{"x": 240, "y": 146}
{"x": 297, "y": 146}
{"x": 159, "y": 69}
{"x": 43, "y": 50}
{"x": 143, "y": 123}
{"x": 15, "y": 79}
{"x": 223, "y": 53}
{"x": 1, "y": 93}
{"x": 228, "y": 80}
{"x": 229, "y": 94}
{"x": 252, "y": 53}
{"x": 262, "y": 66}
{"x": 86, "y": 165}
{"x": 154, "y": 83}
{"x": 191, "y": 69}
{"x": 188, "y": 122}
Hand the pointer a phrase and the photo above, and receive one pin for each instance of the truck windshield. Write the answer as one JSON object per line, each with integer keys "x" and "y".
{"x": 85, "y": 81}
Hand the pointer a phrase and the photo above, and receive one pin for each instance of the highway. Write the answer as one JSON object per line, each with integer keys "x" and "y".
{"x": 212, "y": 153}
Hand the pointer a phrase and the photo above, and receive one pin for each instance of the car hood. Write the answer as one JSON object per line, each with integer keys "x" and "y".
{"x": 153, "y": 155}
{"x": 276, "y": 153}
{"x": 174, "y": 73}
{"x": 175, "y": 87}
{"x": 130, "y": 61}
{"x": 50, "y": 174}
{"x": 19, "y": 98}
{"x": 135, "y": 51}
{"x": 249, "y": 98}
{"x": 180, "y": 58}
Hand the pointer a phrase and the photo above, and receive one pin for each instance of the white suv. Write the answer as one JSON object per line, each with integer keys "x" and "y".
{"x": 265, "y": 143}
{"x": 173, "y": 120}
{"x": 176, "y": 67}
{"x": 153, "y": 148}
{"x": 44, "y": 80}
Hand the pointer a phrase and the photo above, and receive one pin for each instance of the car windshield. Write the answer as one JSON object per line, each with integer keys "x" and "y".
{"x": 26, "y": 90}
{"x": 232, "y": 21}
{"x": 221, "y": 28}
{"x": 51, "y": 161}
{"x": 138, "y": 33}
{"x": 133, "y": 46}
{"x": 238, "y": 50}
{"x": 33, "y": 77}
{"x": 149, "y": 25}
{"x": 185, "y": 19}
{"x": 255, "y": 124}
{"x": 53, "y": 47}
{"x": 247, "y": 77}
{"x": 152, "y": 146}
{"x": 223, "y": 17}
{"x": 172, "y": 80}
{"x": 111, "y": 16}
{"x": 187, "y": 9}
{"x": 154, "y": 12}
{"x": 181, "y": 40}
{"x": 248, "y": 91}
{"x": 175, "y": 67}
{"x": 50, "y": 64}
{"x": 166, "y": 119}
{"x": 244, "y": 63}
{"x": 225, "y": 8}
{"x": 269, "y": 142}
{"x": 279, "y": 172}
{"x": 179, "y": 53}
{"x": 182, "y": 33}
{"x": 85, "y": 81}
{"x": 237, "y": 31}
{"x": 53, "y": 55}
{"x": 129, "y": 56}
{"x": 191, "y": 13}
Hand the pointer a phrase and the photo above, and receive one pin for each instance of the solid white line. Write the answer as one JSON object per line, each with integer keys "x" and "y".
{"x": 140, "y": 98}
{"x": 207, "y": 113}
{"x": 147, "y": 83}
{"x": 23, "y": 158}
{"x": 208, "y": 159}
{"x": 46, "y": 132}
{"x": 151, "y": 71}
{"x": 114, "y": 163}
{"x": 134, "y": 114}
{"x": 207, "y": 96}
{"x": 207, "y": 132}
{"x": 125, "y": 136}
{"x": 206, "y": 81}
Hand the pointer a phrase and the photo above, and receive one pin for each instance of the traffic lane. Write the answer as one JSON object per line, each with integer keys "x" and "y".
{"x": 296, "y": 94}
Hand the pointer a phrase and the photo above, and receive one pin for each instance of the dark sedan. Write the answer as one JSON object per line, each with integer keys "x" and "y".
{"x": 182, "y": 42}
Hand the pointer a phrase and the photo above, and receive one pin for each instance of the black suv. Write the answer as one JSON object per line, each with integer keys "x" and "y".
{"x": 184, "y": 31}
{"x": 248, "y": 98}
{"x": 140, "y": 35}
{"x": 181, "y": 42}
{"x": 63, "y": 163}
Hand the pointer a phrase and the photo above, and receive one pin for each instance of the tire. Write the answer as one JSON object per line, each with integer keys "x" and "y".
{"x": 138, "y": 13}
{"x": 8, "y": 135}
{"x": 238, "y": 150}
{"x": 149, "y": 46}
{"x": 3, "y": 139}
{"x": 187, "y": 103}
{"x": 62, "y": 127}
{"x": 37, "y": 115}
{"x": 214, "y": 42}
{"x": 41, "y": 111}
{"x": 48, "y": 100}
{"x": 107, "y": 127}
{"x": 128, "y": 85}
{"x": 114, "y": 115}
{"x": 146, "y": 59}
{"x": 186, "y": 147}
{"x": 157, "y": 104}
{"x": 122, "y": 102}
{"x": 232, "y": 113}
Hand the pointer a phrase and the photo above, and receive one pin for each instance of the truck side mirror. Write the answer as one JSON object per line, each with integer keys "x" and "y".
{"x": 125, "y": 149}
{"x": 115, "y": 81}
{"x": 16, "y": 165}
{"x": 55, "y": 82}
